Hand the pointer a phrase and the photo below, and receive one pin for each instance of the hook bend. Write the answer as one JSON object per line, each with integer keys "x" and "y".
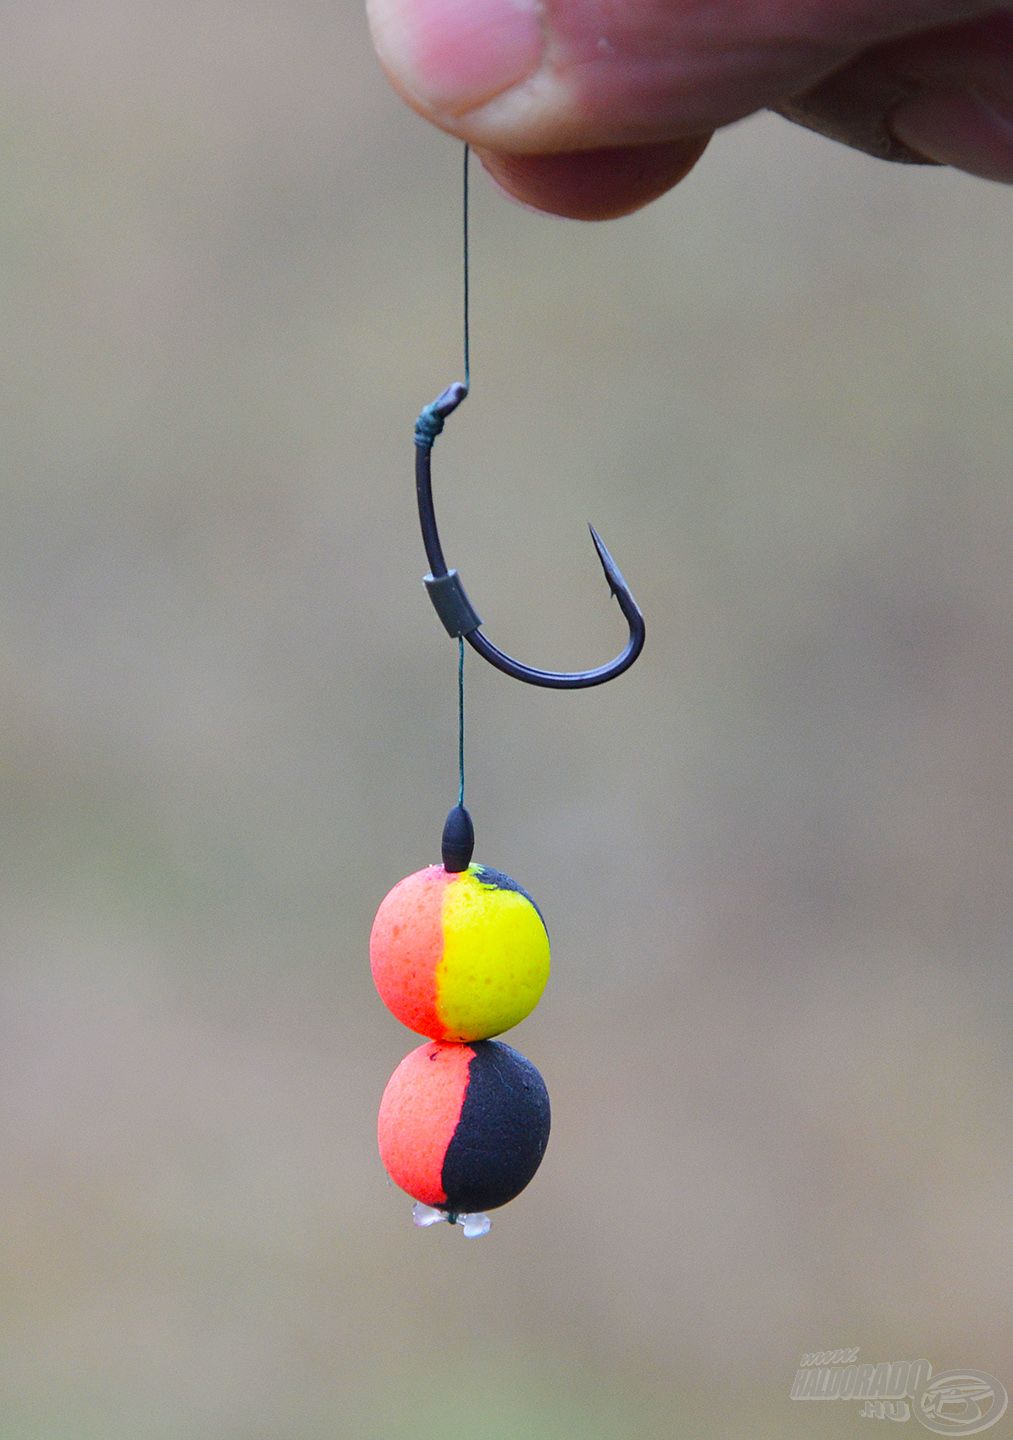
{"x": 447, "y": 592}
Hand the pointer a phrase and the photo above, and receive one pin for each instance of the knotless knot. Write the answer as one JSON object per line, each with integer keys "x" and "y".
{"x": 429, "y": 424}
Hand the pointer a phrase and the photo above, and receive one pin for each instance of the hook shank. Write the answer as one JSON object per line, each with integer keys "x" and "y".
{"x": 452, "y": 604}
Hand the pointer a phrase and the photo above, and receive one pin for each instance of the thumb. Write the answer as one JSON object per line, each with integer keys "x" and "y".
{"x": 544, "y": 76}
{"x": 529, "y": 77}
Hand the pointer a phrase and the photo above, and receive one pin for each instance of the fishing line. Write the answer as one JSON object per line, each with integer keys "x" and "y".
{"x": 466, "y": 258}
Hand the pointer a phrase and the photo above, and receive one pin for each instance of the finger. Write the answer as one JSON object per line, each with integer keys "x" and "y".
{"x": 544, "y": 76}
{"x": 945, "y": 97}
{"x": 594, "y": 184}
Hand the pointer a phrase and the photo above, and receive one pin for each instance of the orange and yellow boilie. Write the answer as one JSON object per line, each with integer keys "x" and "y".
{"x": 460, "y": 955}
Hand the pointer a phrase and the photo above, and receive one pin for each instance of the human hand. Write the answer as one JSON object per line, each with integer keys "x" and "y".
{"x": 592, "y": 108}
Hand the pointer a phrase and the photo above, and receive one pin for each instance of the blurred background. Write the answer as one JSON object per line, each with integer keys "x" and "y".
{"x": 774, "y": 858}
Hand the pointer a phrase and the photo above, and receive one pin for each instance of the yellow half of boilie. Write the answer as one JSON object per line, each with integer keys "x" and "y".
{"x": 495, "y": 961}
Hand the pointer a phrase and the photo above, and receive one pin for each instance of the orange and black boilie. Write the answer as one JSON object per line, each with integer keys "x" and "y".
{"x": 459, "y": 951}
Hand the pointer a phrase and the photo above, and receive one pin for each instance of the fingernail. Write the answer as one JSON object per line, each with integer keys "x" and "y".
{"x": 453, "y": 55}
{"x": 958, "y": 128}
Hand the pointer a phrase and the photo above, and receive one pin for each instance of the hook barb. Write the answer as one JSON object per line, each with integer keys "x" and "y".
{"x": 447, "y": 592}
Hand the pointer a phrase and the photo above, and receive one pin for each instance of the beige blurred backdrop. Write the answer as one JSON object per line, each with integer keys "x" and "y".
{"x": 774, "y": 858}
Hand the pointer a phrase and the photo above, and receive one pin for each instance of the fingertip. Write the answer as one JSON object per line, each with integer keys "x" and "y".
{"x": 455, "y": 56}
{"x": 594, "y": 184}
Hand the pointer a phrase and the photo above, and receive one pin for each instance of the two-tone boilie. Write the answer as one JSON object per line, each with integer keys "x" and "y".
{"x": 459, "y": 953}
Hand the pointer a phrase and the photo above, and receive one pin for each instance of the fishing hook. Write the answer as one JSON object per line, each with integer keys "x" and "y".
{"x": 452, "y": 604}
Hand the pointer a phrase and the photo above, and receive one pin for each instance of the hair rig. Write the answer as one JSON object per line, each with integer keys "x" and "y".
{"x": 459, "y": 951}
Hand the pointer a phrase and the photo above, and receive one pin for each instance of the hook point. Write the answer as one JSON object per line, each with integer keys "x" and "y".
{"x": 611, "y": 569}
